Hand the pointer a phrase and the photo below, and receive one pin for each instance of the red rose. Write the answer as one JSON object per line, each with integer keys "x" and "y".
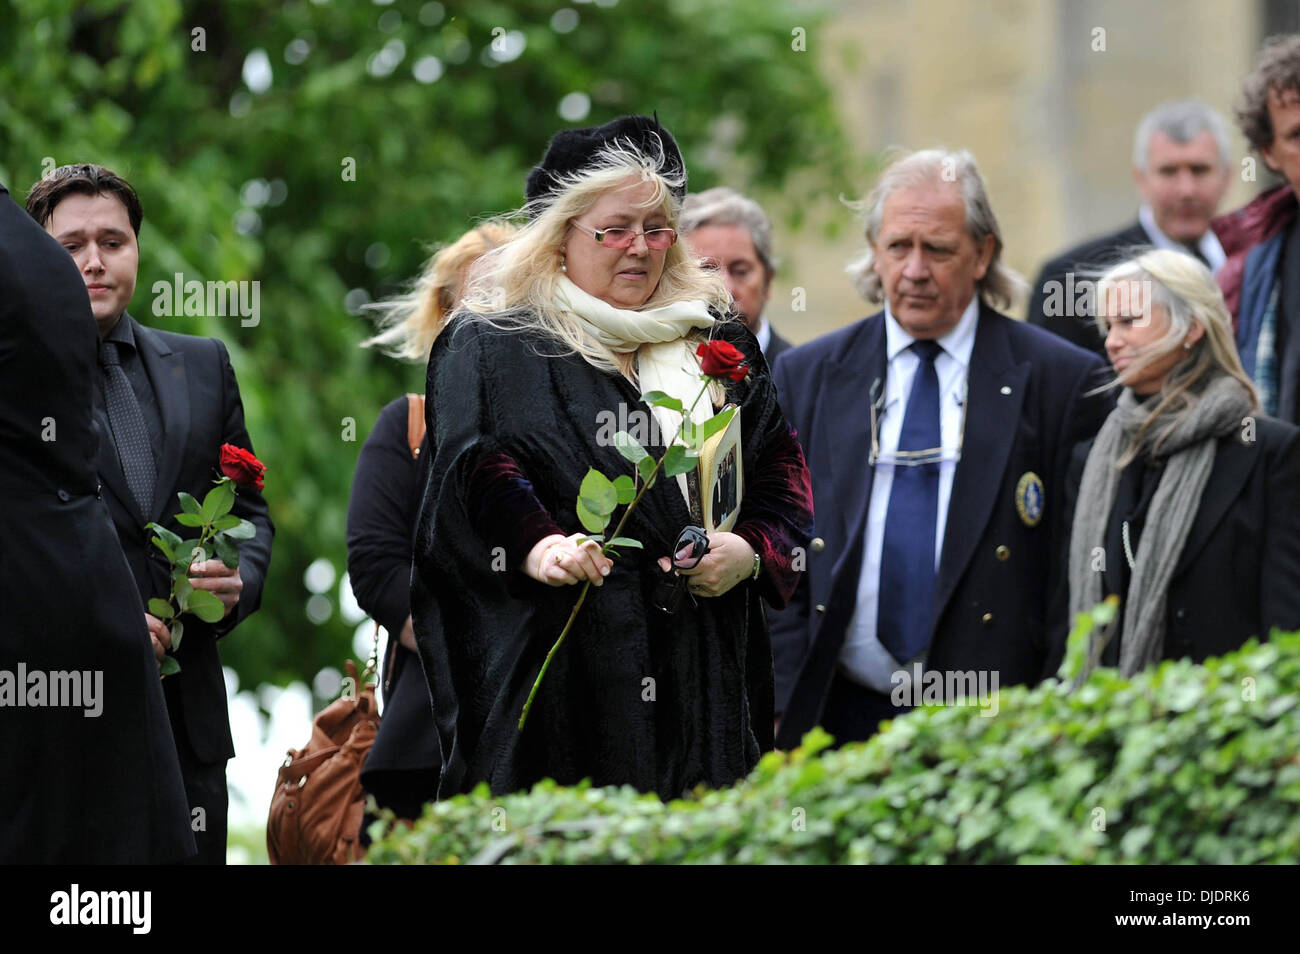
{"x": 721, "y": 359}
{"x": 241, "y": 466}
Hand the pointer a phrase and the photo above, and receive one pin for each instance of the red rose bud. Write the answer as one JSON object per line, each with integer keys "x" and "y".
{"x": 241, "y": 466}
{"x": 721, "y": 359}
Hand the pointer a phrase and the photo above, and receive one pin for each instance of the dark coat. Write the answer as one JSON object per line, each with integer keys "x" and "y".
{"x": 401, "y": 768}
{"x": 1257, "y": 239}
{"x": 634, "y": 696}
{"x": 199, "y": 401}
{"x": 776, "y": 346}
{"x": 1092, "y": 255}
{"x": 77, "y": 790}
{"x": 1239, "y": 573}
{"x": 1027, "y": 409}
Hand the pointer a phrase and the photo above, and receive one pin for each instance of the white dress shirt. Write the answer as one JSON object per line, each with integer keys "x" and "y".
{"x": 763, "y": 334}
{"x": 862, "y": 657}
{"x": 1208, "y": 244}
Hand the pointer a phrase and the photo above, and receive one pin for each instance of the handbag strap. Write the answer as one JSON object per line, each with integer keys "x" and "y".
{"x": 415, "y": 423}
{"x": 295, "y": 766}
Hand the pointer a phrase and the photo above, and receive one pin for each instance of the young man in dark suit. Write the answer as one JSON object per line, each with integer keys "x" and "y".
{"x": 1181, "y": 161}
{"x": 938, "y": 433}
{"x": 169, "y": 402}
{"x": 94, "y": 780}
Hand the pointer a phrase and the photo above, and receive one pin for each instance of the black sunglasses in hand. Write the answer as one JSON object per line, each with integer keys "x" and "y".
{"x": 691, "y": 546}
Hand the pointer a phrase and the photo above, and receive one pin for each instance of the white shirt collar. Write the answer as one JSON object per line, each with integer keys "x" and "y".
{"x": 957, "y": 344}
{"x": 1208, "y": 244}
{"x": 763, "y": 334}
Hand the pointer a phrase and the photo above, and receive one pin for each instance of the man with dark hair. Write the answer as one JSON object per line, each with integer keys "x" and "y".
{"x": 91, "y": 779}
{"x": 1181, "y": 162}
{"x": 83, "y": 179}
{"x": 1261, "y": 278}
{"x": 170, "y": 401}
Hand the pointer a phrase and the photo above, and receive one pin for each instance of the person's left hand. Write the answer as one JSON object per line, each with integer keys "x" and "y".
{"x": 219, "y": 580}
{"x": 729, "y": 561}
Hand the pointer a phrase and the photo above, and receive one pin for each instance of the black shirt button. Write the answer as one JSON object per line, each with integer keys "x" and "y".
{"x": 99, "y": 491}
{"x": 64, "y": 495}
{"x": 1180, "y": 614}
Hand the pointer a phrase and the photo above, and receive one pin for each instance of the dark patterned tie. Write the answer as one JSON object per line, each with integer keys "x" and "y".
{"x": 129, "y": 432}
{"x": 906, "y": 602}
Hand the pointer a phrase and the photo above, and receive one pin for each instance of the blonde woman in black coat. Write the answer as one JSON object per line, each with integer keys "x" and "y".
{"x": 1188, "y": 506}
{"x": 403, "y": 766}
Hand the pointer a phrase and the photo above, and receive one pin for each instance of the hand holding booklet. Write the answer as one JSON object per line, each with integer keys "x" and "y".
{"x": 717, "y": 484}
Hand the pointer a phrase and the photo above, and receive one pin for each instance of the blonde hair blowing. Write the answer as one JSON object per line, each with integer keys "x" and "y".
{"x": 1189, "y": 295}
{"x": 1001, "y": 286}
{"x": 513, "y": 286}
{"x": 411, "y": 322}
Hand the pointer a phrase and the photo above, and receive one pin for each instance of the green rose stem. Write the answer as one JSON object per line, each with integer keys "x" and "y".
{"x": 218, "y": 532}
{"x": 582, "y": 596}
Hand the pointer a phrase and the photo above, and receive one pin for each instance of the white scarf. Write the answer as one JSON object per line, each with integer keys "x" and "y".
{"x": 665, "y": 360}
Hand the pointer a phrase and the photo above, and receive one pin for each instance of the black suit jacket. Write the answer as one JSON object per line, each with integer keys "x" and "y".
{"x": 1239, "y": 573}
{"x": 199, "y": 401}
{"x": 1027, "y": 409}
{"x": 776, "y": 346}
{"x": 1092, "y": 255}
{"x": 103, "y": 789}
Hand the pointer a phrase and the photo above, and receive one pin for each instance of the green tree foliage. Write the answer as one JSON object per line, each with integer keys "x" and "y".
{"x": 237, "y": 122}
{"x": 1183, "y": 764}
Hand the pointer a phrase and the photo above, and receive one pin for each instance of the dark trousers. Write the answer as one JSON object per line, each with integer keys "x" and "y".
{"x": 205, "y": 788}
{"x": 853, "y": 712}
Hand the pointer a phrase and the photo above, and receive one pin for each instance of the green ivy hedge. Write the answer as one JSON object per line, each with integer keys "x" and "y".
{"x": 1182, "y": 764}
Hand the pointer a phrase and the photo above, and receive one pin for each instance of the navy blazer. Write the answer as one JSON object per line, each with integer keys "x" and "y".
{"x": 198, "y": 399}
{"x": 999, "y": 578}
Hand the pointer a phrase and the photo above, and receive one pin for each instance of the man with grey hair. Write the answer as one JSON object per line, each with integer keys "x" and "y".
{"x": 732, "y": 233}
{"x": 1181, "y": 162}
{"x": 938, "y": 433}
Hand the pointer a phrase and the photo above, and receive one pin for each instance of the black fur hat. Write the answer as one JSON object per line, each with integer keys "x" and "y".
{"x": 571, "y": 150}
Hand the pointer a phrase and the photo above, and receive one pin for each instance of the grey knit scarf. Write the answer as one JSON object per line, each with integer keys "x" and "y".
{"x": 1190, "y": 449}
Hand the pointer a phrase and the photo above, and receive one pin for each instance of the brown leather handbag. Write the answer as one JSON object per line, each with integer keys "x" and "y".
{"x": 318, "y": 805}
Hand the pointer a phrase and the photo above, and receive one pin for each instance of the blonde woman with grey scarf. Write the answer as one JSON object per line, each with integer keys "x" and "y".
{"x": 1189, "y": 503}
